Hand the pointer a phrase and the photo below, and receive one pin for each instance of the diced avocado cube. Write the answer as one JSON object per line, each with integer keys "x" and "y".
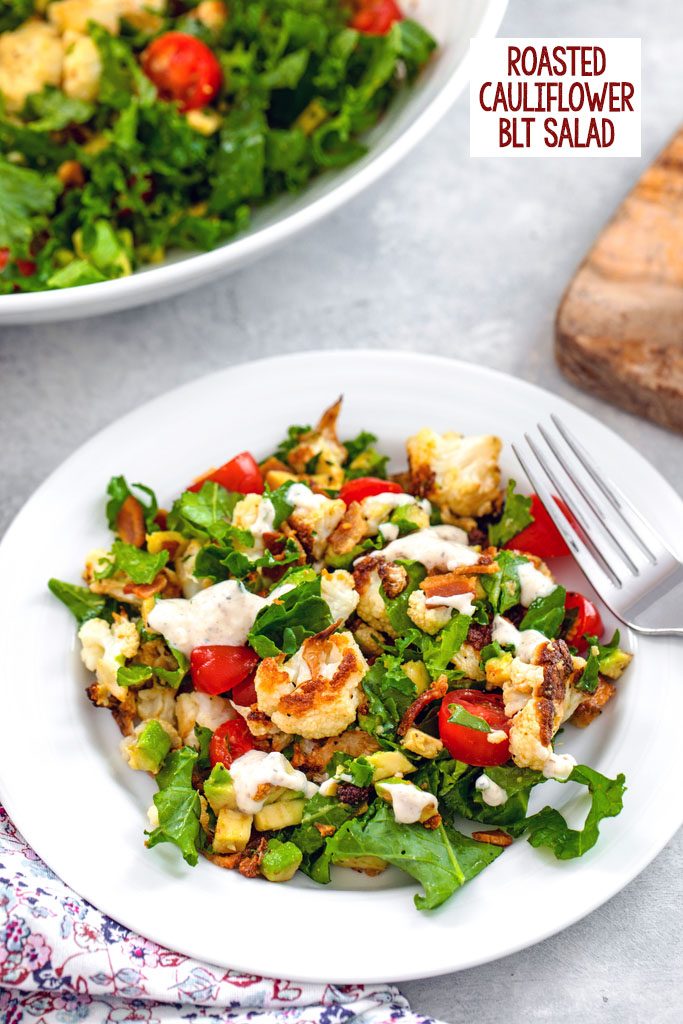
{"x": 613, "y": 664}
{"x": 410, "y": 518}
{"x": 418, "y": 674}
{"x": 279, "y": 815}
{"x": 280, "y": 861}
{"x": 150, "y": 747}
{"x": 233, "y": 831}
{"x": 219, "y": 789}
{"x": 419, "y": 742}
{"x": 389, "y": 762}
{"x": 343, "y": 561}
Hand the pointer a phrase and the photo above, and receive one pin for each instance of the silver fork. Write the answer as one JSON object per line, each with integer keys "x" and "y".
{"x": 630, "y": 566}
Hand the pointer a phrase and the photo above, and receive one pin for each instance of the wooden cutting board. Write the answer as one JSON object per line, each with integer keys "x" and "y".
{"x": 619, "y": 328}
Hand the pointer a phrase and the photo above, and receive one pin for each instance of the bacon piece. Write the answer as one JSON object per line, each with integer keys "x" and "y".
{"x": 144, "y": 590}
{"x": 436, "y": 691}
{"x": 447, "y": 584}
{"x": 589, "y": 709}
{"x": 494, "y": 837}
{"x": 130, "y": 522}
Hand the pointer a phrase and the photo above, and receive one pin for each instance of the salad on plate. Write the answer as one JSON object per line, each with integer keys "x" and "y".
{"x": 325, "y": 666}
{"x": 129, "y": 128}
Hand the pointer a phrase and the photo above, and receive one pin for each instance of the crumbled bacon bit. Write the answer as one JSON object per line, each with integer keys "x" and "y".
{"x": 353, "y": 795}
{"x": 435, "y": 692}
{"x": 495, "y": 837}
{"x": 130, "y": 522}
{"x": 433, "y": 822}
{"x": 479, "y": 636}
{"x": 447, "y": 584}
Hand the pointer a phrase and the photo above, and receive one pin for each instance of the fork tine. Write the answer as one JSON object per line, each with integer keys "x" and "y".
{"x": 576, "y": 512}
{"x": 614, "y": 495}
{"x": 602, "y": 583}
{"x": 589, "y": 499}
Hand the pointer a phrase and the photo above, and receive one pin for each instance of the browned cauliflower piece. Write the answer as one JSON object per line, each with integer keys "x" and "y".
{"x": 459, "y": 474}
{"x": 316, "y": 692}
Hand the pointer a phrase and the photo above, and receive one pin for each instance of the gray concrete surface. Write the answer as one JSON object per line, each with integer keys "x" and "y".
{"x": 448, "y": 255}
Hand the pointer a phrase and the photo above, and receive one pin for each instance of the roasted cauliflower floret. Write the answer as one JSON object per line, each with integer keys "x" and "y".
{"x": 551, "y": 699}
{"x": 203, "y": 709}
{"x": 257, "y": 515}
{"x": 316, "y": 692}
{"x": 430, "y": 620}
{"x": 82, "y": 68}
{"x": 460, "y": 474}
{"x": 157, "y": 702}
{"x": 338, "y": 591}
{"x": 467, "y": 660}
{"x": 106, "y": 648}
{"x": 323, "y": 446}
{"x": 30, "y": 58}
{"x": 377, "y": 510}
{"x": 371, "y": 607}
{"x": 315, "y": 524}
{"x": 74, "y": 15}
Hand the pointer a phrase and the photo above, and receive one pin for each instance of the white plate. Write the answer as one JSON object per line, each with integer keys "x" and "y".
{"x": 83, "y": 810}
{"x": 453, "y": 23}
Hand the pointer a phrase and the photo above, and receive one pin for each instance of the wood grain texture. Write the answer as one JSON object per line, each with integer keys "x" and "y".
{"x": 619, "y": 329}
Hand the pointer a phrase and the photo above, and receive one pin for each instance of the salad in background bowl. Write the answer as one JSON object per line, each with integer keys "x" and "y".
{"x": 132, "y": 132}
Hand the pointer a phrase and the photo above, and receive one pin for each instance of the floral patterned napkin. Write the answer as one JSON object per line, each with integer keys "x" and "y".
{"x": 62, "y": 962}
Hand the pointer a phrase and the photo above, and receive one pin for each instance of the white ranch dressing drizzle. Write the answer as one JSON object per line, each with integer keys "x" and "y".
{"x": 559, "y": 766}
{"x": 526, "y": 642}
{"x": 408, "y": 802}
{"x": 391, "y": 499}
{"x": 302, "y": 496}
{"x": 389, "y": 531}
{"x": 533, "y": 583}
{"x": 255, "y": 769}
{"x": 491, "y": 793}
{"x": 221, "y": 614}
{"x": 462, "y": 602}
{"x": 435, "y": 547}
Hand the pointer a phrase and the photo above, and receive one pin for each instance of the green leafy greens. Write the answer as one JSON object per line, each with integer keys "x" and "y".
{"x": 440, "y": 859}
{"x": 178, "y": 805}
{"x": 516, "y": 517}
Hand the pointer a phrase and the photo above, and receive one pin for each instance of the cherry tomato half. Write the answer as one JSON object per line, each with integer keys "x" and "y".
{"x": 367, "y": 487}
{"x": 230, "y": 741}
{"x": 244, "y": 693}
{"x": 470, "y": 745}
{"x": 375, "y": 17}
{"x": 4, "y": 258}
{"x": 542, "y": 538}
{"x": 240, "y": 474}
{"x": 183, "y": 69}
{"x": 587, "y": 620}
{"x": 217, "y": 668}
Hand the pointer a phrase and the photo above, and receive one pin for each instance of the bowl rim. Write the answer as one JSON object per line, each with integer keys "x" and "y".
{"x": 151, "y": 282}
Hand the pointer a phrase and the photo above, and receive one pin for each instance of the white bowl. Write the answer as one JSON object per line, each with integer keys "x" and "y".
{"x": 453, "y": 23}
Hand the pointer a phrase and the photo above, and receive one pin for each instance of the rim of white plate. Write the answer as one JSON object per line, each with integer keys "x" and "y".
{"x": 381, "y": 904}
